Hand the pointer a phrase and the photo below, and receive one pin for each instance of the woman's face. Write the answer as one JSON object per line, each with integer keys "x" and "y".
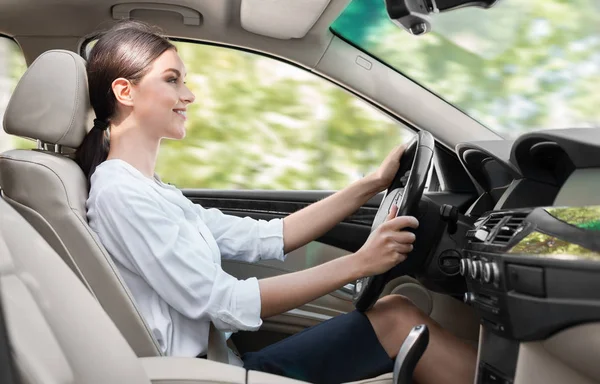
{"x": 161, "y": 97}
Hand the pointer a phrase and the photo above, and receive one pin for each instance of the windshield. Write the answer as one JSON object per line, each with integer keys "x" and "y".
{"x": 517, "y": 67}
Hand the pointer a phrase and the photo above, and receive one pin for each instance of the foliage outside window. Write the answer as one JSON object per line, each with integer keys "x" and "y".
{"x": 258, "y": 123}
{"x": 517, "y": 67}
{"x": 12, "y": 67}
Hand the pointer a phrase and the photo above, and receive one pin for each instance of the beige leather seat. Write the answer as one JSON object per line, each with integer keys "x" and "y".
{"x": 59, "y": 334}
{"x": 51, "y": 104}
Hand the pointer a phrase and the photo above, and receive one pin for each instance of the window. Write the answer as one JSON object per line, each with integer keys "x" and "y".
{"x": 517, "y": 67}
{"x": 12, "y": 67}
{"x": 259, "y": 123}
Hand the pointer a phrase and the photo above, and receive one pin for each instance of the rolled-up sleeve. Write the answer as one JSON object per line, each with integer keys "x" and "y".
{"x": 244, "y": 239}
{"x": 174, "y": 259}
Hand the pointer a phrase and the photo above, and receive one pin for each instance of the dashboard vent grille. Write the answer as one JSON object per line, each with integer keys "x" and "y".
{"x": 509, "y": 224}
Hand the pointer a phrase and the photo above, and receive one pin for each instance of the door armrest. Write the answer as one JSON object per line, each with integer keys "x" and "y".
{"x": 255, "y": 377}
{"x": 177, "y": 370}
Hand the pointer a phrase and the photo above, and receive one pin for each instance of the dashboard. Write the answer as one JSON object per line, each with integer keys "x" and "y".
{"x": 531, "y": 260}
{"x": 548, "y": 168}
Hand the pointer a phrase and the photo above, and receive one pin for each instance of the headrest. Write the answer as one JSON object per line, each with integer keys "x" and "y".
{"x": 51, "y": 101}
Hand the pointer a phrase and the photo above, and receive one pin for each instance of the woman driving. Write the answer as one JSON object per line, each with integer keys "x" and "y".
{"x": 169, "y": 250}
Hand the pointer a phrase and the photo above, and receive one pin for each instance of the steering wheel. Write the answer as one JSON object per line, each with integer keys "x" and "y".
{"x": 405, "y": 191}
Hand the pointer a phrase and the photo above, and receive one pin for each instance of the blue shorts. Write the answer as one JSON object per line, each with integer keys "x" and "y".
{"x": 342, "y": 349}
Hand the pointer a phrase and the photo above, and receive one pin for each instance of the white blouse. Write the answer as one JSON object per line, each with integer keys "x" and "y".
{"x": 168, "y": 251}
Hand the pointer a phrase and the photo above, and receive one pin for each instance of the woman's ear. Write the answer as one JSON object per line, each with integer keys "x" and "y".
{"x": 122, "y": 91}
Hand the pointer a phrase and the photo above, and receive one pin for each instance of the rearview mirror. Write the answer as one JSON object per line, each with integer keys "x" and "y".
{"x": 413, "y": 15}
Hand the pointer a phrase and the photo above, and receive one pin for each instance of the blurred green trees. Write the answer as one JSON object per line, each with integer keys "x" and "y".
{"x": 12, "y": 66}
{"x": 543, "y": 245}
{"x": 258, "y": 123}
{"x": 520, "y": 66}
{"x": 582, "y": 217}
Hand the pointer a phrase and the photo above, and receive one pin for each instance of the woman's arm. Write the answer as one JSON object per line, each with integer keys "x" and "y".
{"x": 386, "y": 247}
{"x": 310, "y": 223}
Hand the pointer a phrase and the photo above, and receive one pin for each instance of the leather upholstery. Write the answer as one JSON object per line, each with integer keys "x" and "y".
{"x": 178, "y": 370}
{"x": 59, "y": 334}
{"x": 51, "y": 103}
{"x": 49, "y": 190}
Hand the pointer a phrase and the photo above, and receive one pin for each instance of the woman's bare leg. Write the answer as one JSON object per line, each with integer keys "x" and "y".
{"x": 447, "y": 358}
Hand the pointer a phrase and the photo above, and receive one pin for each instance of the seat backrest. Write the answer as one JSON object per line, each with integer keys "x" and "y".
{"x": 51, "y": 104}
{"x": 57, "y": 332}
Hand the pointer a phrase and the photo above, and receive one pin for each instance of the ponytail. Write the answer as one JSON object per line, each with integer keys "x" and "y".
{"x": 94, "y": 149}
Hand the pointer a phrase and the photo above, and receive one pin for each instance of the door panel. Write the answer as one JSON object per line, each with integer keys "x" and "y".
{"x": 346, "y": 237}
{"x": 312, "y": 254}
{"x": 349, "y": 235}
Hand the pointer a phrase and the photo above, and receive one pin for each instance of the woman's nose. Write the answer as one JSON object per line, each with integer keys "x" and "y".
{"x": 188, "y": 96}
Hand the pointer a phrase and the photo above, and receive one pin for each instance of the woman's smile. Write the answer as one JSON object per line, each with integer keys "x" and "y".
{"x": 181, "y": 113}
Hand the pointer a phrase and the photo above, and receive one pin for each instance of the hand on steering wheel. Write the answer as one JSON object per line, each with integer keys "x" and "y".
{"x": 388, "y": 245}
{"x": 406, "y": 194}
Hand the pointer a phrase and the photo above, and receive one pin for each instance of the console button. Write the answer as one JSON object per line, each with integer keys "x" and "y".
{"x": 469, "y": 297}
{"x": 468, "y": 267}
{"x": 476, "y": 269}
{"x": 464, "y": 267}
{"x": 495, "y": 279}
{"x": 487, "y": 273}
{"x": 489, "y": 377}
{"x": 527, "y": 280}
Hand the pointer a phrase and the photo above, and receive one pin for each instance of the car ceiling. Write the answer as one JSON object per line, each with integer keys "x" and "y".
{"x": 39, "y": 25}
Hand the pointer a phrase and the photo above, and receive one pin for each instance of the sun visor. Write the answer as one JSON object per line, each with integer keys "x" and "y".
{"x": 281, "y": 19}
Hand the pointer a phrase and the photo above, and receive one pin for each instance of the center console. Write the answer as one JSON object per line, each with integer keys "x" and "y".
{"x": 530, "y": 273}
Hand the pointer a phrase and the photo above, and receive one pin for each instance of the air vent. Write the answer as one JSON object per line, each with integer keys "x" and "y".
{"x": 507, "y": 227}
{"x": 493, "y": 221}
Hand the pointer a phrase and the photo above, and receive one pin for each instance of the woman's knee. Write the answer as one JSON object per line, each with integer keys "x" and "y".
{"x": 394, "y": 310}
{"x": 392, "y": 318}
{"x": 399, "y": 304}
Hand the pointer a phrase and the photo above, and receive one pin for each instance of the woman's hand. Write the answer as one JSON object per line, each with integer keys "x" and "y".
{"x": 387, "y": 246}
{"x": 384, "y": 175}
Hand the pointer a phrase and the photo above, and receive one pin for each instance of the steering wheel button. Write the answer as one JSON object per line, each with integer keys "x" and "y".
{"x": 359, "y": 285}
{"x": 404, "y": 179}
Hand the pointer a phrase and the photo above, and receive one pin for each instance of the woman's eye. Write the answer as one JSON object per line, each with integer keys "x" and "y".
{"x": 172, "y": 80}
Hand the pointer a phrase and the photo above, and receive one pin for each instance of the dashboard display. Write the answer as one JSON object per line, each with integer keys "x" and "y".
{"x": 542, "y": 245}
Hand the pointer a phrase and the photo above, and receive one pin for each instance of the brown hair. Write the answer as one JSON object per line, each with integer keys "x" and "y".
{"x": 126, "y": 50}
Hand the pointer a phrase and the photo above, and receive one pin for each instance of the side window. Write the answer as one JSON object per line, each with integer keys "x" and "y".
{"x": 258, "y": 123}
{"x": 12, "y": 67}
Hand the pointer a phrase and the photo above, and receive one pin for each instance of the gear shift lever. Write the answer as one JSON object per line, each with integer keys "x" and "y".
{"x": 410, "y": 353}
